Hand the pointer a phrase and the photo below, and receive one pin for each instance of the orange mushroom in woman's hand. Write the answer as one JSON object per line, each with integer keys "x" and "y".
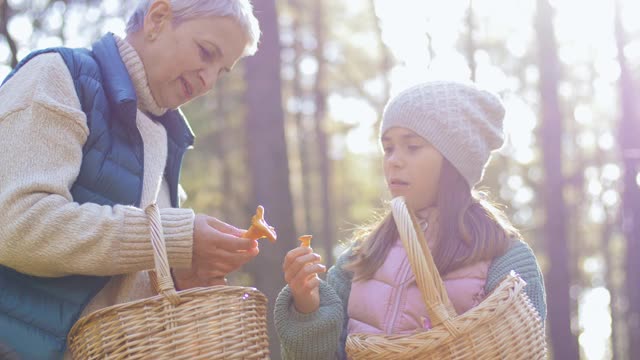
{"x": 259, "y": 227}
{"x": 305, "y": 240}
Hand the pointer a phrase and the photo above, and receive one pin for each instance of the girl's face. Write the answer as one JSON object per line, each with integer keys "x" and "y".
{"x": 411, "y": 167}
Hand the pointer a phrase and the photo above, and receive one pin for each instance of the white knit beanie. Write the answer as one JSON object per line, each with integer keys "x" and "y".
{"x": 461, "y": 120}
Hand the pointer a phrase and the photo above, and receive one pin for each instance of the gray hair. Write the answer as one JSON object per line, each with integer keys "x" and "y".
{"x": 183, "y": 10}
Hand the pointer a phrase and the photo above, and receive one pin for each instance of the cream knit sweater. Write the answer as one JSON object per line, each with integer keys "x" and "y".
{"x": 43, "y": 232}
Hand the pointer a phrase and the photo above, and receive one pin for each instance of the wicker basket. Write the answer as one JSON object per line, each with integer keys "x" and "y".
{"x": 218, "y": 322}
{"x": 503, "y": 326}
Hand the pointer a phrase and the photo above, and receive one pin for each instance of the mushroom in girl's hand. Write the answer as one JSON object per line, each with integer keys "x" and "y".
{"x": 305, "y": 240}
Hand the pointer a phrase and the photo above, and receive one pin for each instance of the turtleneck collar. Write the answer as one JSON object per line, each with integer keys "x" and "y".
{"x": 135, "y": 67}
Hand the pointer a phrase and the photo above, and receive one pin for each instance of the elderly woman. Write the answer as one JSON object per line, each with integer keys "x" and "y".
{"x": 89, "y": 139}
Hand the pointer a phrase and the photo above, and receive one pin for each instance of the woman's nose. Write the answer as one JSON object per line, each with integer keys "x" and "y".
{"x": 209, "y": 77}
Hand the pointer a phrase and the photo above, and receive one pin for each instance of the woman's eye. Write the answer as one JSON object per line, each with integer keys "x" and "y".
{"x": 205, "y": 54}
{"x": 387, "y": 150}
{"x": 414, "y": 147}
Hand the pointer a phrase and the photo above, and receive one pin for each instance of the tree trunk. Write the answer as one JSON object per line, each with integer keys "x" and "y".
{"x": 558, "y": 280}
{"x": 629, "y": 132}
{"x": 5, "y": 14}
{"x": 303, "y": 144}
{"x": 471, "y": 45}
{"x": 320, "y": 96}
{"x": 607, "y": 231}
{"x": 221, "y": 146}
{"x": 386, "y": 63}
{"x": 267, "y": 157}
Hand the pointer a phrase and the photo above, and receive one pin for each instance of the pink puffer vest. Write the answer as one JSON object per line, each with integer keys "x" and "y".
{"x": 391, "y": 302}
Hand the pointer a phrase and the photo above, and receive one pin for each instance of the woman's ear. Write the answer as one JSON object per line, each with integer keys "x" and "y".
{"x": 158, "y": 17}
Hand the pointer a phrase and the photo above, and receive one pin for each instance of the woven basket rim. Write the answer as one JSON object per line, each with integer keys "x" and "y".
{"x": 197, "y": 291}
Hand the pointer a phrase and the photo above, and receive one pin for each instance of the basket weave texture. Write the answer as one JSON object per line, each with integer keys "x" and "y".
{"x": 503, "y": 326}
{"x": 217, "y": 322}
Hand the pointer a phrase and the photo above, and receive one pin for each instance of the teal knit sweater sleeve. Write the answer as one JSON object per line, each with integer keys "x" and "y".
{"x": 520, "y": 258}
{"x": 317, "y": 335}
{"x": 340, "y": 279}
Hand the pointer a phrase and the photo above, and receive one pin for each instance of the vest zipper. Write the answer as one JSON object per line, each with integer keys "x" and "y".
{"x": 405, "y": 270}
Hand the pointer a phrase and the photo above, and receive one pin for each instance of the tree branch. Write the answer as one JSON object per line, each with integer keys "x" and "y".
{"x": 5, "y": 15}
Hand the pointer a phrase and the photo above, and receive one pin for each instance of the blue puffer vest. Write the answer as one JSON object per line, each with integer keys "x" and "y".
{"x": 36, "y": 314}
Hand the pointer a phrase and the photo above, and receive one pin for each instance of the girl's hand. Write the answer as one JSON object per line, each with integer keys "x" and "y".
{"x": 301, "y": 267}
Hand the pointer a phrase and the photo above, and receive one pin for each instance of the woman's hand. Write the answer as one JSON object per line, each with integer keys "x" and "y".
{"x": 301, "y": 267}
{"x": 218, "y": 249}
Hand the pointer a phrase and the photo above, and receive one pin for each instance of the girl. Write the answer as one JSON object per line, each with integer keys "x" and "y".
{"x": 437, "y": 138}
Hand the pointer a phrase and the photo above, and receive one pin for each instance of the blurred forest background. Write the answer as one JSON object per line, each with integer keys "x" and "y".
{"x": 294, "y": 129}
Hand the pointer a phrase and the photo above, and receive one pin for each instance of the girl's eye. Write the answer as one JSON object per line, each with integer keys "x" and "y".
{"x": 387, "y": 150}
{"x": 205, "y": 54}
{"x": 414, "y": 147}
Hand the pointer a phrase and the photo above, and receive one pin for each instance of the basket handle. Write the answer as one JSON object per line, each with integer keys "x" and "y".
{"x": 161, "y": 277}
{"x": 434, "y": 293}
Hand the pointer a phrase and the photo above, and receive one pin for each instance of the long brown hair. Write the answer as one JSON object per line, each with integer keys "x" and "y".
{"x": 471, "y": 229}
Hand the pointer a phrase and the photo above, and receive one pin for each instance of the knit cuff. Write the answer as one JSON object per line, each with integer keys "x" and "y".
{"x": 301, "y": 317}
{"x": 135, "y": 252}
{"x": 177, "y": 225}
{"x": 309, "y": 336}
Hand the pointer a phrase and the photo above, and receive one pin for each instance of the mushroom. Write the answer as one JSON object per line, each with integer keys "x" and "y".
{"x": 259, "y": 227}
{"x": 305, "y": 240}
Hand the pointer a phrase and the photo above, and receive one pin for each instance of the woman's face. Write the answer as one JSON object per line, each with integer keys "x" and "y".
{"x": 411, "y": 167}
{"x": 184, "y": 61}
